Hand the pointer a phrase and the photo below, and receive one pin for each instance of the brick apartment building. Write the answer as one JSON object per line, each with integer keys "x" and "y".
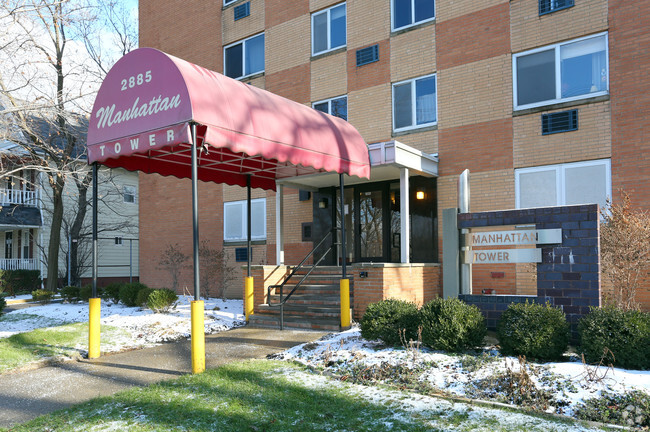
{"x": 546, "y": 102}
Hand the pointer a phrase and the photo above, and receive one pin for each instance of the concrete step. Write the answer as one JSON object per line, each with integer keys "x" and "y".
{"x": 301, "y": 311}
{"x": 269, "y": 321}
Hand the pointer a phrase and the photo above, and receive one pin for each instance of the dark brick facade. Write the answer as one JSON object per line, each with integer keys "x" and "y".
{"x": 569, "y": 274}
{"x": 492, "y": 306}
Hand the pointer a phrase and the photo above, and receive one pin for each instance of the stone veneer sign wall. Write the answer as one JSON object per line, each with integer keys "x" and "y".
{"x": 569, "y": 274}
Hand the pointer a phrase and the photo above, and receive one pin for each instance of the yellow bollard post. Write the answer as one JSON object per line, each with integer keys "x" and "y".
{"x": 248, "y": 297}
{"x": 345, "y": 303}
{"x": 198, "y": 336}
{"x": 94, "y": 313}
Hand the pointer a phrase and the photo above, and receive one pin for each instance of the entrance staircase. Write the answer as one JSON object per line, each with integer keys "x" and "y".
{"x": 315, "y": 304}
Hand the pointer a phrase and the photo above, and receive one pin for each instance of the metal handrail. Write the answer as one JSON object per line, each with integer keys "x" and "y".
{"x": 283, "y": 300}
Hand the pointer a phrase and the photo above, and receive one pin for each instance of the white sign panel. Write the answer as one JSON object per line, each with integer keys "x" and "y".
{"x": 503, "y": 256}
{"x": 515, "y": 238}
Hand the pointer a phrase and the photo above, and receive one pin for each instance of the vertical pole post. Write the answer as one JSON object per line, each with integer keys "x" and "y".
{"x": 130, "y": 260}
{"x": 463, "y": 205}
{"x": 94, "y": 304}
{"x": 249, "y": 304}
{"x": 196, "y": 307}
{"x": 405, "y": 216}
{"x": 279, "y": 225}
{"x": 69, "y": 258}
{"x": 345, "y": 282}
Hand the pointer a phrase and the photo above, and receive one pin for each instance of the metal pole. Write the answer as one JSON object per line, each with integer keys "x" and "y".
{"x": 342, "y": 222}
{"x": 95, "y": 256}
{"x": 248, "y": 221}
{"x": 69, "y": 256}
{"x": 195, "y": 214}
{"x": 130, "y": 260}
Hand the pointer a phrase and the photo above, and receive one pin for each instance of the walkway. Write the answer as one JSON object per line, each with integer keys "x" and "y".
{"x": 29, "y": 394}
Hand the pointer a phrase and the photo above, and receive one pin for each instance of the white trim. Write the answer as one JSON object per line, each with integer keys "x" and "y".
{"x": 413, "y": 22}
{"x": 560, "y": 169}
{"x": 414, "y": 124}
{"x": 558, "y": 73}
{"x": 329, "y": 29}
{"x": 243, "y": 60}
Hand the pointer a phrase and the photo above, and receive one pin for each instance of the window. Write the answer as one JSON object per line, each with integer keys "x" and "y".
{"x": 336, "y": 106}
{"x": 406, "y": 13}
{"x": 328, "y": 29}
{"x": 235, "y": 225}
{"x": 563, "y": 72}
{"x": 414, "y": 103}
{"x": 548, "y": 6}
{"x": 244, "y": 58}
{"x": 119, "y": 241}
{"x": 227, "y": 2}
{"x": 129, "y": 194}
{"x": 566, "y": 184}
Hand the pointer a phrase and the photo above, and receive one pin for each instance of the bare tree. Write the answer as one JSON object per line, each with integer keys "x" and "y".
{"x": 624, "y": 249}
{"x": 215, "y": 271}
{"x": 49, "y": 73}
{"x": 173, "y": 260}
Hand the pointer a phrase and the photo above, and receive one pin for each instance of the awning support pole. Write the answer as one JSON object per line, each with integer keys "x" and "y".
{"x": 94, "y": 303}
{"x": 196, "y": 307}
{"x": 405, "y": 223}
{"x": 279, "y": 225}
{"x": 345, "y": 282}
{"x": 342, "y": 226}
{"x": 248, "y": 222}
{"x": 249, "y": 298}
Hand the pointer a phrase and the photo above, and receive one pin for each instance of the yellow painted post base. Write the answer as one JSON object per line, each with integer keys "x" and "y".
{"x": 94, "y": 313}
{"x": 248, "y": 297}
{"x": 198, "y": 336}
{"x": 345, "y": 303}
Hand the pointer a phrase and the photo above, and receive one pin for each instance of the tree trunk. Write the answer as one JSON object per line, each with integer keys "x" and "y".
{"x": 55, "y": 233}
{"x": 75, "y": 230}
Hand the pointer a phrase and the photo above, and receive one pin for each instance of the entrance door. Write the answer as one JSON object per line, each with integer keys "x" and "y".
{"x": 371, "y": 242}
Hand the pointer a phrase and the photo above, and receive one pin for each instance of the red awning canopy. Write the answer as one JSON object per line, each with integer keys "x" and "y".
{"x": 142, "y": 116}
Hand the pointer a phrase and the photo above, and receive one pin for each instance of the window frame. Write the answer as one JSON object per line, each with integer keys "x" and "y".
{"x": 329, "y": 29}
{"x": 560, "y": 178}
{"x": 554, "y": 9}
{"x": 558, "y": 73}
{"x": 414, "y": 125}
{"x": 228, "y": 2}
{"x": 243, "y": 43}
{"x": 414, "y": 23}
{"x": 243, "y": 215}
{"x": 329, "y": 105}
{"x": 125, "y": 194}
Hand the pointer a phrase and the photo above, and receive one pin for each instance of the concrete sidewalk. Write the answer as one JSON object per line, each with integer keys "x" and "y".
{"x": 29, "y": 394}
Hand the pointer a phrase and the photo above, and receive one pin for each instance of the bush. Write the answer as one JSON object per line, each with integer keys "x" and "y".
{"x": 70, "y": 294}
{"x": 143, "y": 297}
{"x": 129, "y": 293}
{"x": 625, "y": 333}
{"x": 112, "y": 292}
{"x": 533, "y": 330}
{"x": 86, "y": 292}
{"x": 384, "y": 320}
{"x": 161, "y": 300}
{"x": 42, "y": 296}
{"x": 451, "y": 325}
{"x": 20, "y": 281}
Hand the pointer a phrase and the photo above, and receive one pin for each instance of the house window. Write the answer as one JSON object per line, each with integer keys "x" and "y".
{"x": 563, "y": 72}
{"x": 129, "y": 194}
{"x": 119, "y": 241}
{"x": 565, "y": 184}
{"x": 406, "y": 13}
{"x": 336, "y": 106}
{"x": 328, "y": 29}
{"x": 548, "y": 6}
{"x": 244, "y": 58}
{"x": 235, "y": 225}
{"x": 414, "y": 103}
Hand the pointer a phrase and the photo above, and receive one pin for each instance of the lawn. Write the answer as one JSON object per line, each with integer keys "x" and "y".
{"x": 269, "y": 396}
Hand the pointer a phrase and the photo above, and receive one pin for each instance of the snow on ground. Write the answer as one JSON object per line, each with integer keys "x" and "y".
{"x": 143, "y": 326}
{"x": 569, "y": 384}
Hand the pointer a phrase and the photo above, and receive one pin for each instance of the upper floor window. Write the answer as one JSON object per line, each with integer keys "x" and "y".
{"x": 244, "y": 58}
{"x": 410, "y": 12}
{"x": 227, "y": 2}
{"x": 548, "y": 6}
{"x": 129, "y": 194}
{"x": 565, "y": 184}
{"x": 336, "y": 106}
{"x": 563, "y": 72}
{"x": 414, "y": 103}
{"x": 328, "y": 29}
{"x": 235, "y": 217}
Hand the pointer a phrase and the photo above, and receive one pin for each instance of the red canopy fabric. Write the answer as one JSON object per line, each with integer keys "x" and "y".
{"x": 142, "y": 116}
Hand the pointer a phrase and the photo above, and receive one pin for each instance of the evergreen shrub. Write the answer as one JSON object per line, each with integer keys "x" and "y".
{"x": 385, "y": 320}
{"x": 143, "y": 296}
{"x": 533, "y": 330}
{"x": 42, "y": 296}
{"x": 70, "y": 294}
{"x": 112, "y": 292}
{"x": 451, "y": 325}
{"x": 129, "y": 293}
{"x": 162, "y": 300}
{"x": 625, "y": 333}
